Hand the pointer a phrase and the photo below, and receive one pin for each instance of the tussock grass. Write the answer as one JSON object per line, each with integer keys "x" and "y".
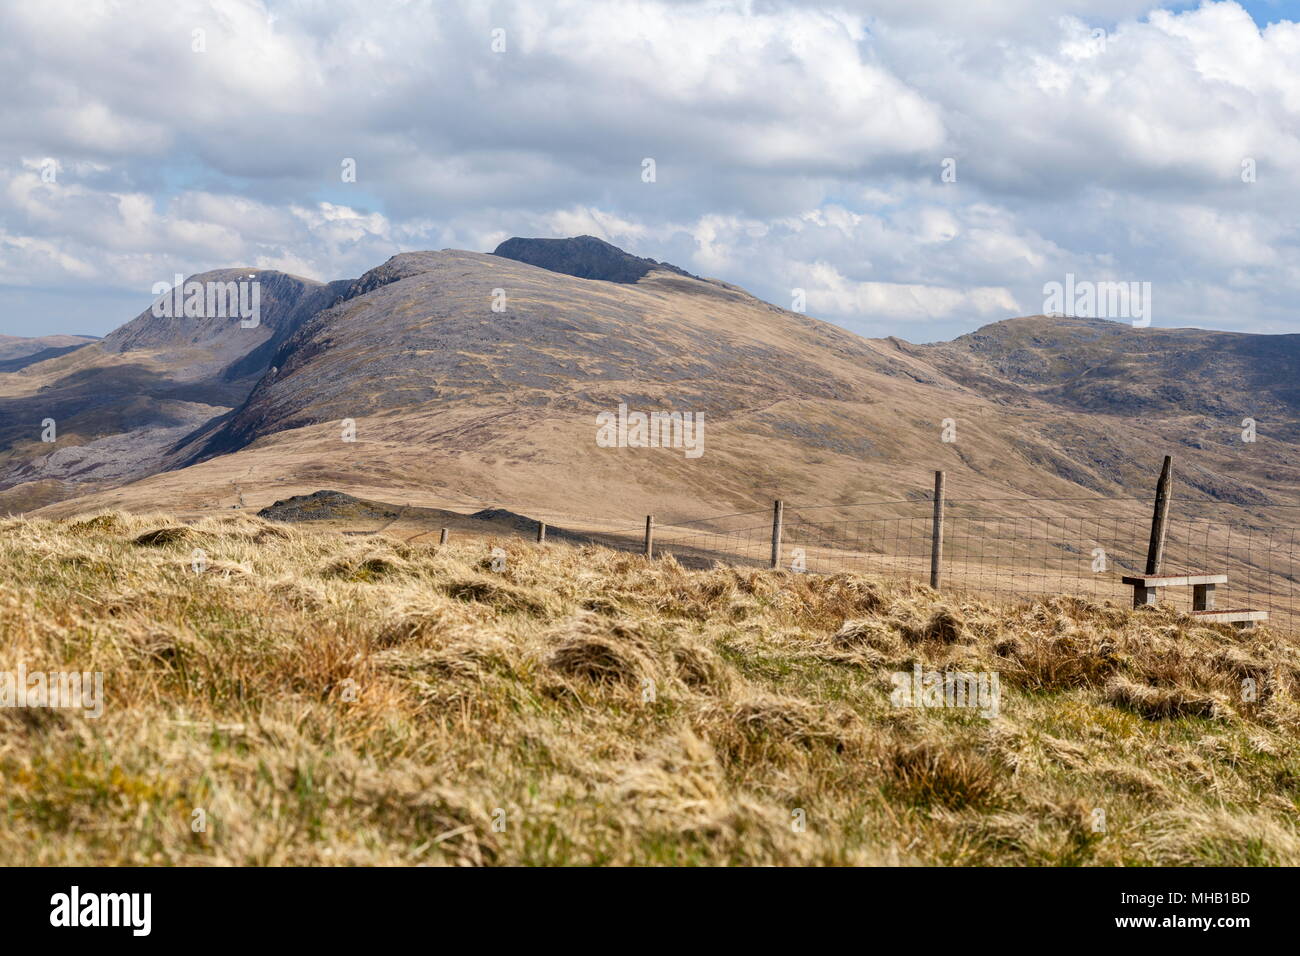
{"x": 329, "y": 700}
{"x": 1160, "y": 703}
{"x": 927, "y": 773}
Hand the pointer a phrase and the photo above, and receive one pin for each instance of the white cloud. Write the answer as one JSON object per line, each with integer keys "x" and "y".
{"x": 797, "y": 144}
{"x": 905, "y": 302}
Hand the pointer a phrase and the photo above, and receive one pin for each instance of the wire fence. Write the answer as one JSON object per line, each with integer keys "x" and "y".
{"x": 1009, "y": 548}
{"x": 995, "y": 548}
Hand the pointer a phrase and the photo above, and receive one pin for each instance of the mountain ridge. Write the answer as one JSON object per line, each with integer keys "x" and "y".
{"x": 489, "y": 370}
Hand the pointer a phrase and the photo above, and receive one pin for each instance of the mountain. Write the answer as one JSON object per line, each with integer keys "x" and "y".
{"x": 466, "y": 381}
{"x": 1191, "y": 391}
{"x": 424, "y": 341}
{"x": 119, "y": 403}
{"x": 17, "y": 352}
{"x": 216, "y": 349}
{"x": 1094, "y": 365}
{"x": 454, "y": 399}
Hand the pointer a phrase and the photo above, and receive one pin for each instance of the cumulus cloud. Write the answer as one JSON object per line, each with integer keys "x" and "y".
{"x": 797, "y": 144}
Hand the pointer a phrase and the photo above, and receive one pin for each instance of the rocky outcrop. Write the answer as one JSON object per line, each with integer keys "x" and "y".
{"x": 585, "y": 257}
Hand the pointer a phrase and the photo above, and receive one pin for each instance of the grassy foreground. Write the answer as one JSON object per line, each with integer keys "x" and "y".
{"x": 345, "y": 700}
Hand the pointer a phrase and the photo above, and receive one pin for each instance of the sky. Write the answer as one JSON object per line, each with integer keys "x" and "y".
{"x": 917, "y": 168}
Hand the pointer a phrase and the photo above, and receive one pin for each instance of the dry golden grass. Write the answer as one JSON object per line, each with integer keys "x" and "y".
{"x": 335, "y": 700}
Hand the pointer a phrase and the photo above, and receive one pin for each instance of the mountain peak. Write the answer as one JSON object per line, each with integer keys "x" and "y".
{"x": 585, "y": 257}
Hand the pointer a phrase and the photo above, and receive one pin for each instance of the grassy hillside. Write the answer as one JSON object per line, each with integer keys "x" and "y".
{"x": 335, "y": 700}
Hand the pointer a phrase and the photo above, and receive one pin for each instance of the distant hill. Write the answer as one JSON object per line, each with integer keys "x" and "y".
{"x": 17, "y": 352}
{"x": 1097, "y": 365}
{"x": 453, "y": 403}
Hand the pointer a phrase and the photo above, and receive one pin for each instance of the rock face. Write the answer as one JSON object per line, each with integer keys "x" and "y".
{"x": 222, "y": 348}
{"x": 585, "y": 257}
{"x": 121, "y": 403}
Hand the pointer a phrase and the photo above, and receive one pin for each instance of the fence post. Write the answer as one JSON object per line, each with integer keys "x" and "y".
{"x": 1156, "y": 549}
{"x": 778, "y": 513}
{"x": 541, "y": 532}
{"x": 649, "y": 536}
{"x": 936, "y": 533}
{"x": 442, "y": 538}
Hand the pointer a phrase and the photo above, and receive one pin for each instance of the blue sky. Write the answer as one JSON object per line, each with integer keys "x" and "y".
{"x": 1264, "y": 12}
{"x": 797, "y": 145}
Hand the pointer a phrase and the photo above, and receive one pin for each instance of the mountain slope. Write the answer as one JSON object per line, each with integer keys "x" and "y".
{"x": 453, "y": 404}
{"x": 119, "y": 403}
{"x": 460, "y": 400}
{"x": 429, "y": 342}
{"x": 17, "y": 353}
{"x": 1096, "y": 365}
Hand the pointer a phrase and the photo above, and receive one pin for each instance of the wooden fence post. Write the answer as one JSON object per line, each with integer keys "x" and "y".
{"x": 649, "y": 536}
{"x": 442, "y": 538}
{"x": 541, "y": 532}
{"x": 936, "y": 533}
{"x": 1156, "y": 549}
{"x": 778, "y": 514}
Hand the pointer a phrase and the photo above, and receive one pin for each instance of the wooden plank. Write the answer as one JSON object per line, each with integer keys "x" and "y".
{"x": 1173, "y": 580}
{"x": 778, "y": 513}
{"x": 936, "y": 533}
{"x": 1159, "y": 519}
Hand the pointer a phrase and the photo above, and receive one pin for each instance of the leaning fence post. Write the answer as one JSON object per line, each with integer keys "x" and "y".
{"x": 649, "y": 536}
{"x": 1156, "y": 549}
{"x": 541, "y": 532}
{"x": 442, "y": 538}
{"x": 936, "y": 532}
{"x": 778, "y": 513}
